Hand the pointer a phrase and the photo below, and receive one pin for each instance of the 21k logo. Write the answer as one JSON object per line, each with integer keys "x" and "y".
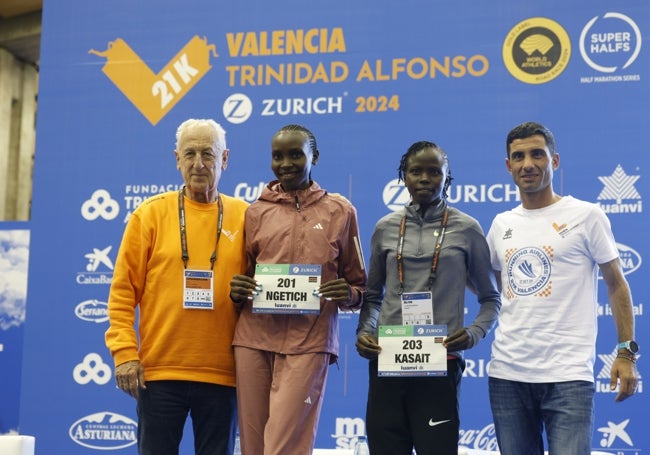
{"x": 156, "y": 94}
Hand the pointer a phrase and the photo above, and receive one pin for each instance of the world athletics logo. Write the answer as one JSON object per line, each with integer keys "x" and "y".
{"x": 536, "y": 50}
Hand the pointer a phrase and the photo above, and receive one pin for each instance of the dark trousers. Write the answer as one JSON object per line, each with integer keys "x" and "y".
{"x": 163, "y": 408}
{"x": 420, "y": 412}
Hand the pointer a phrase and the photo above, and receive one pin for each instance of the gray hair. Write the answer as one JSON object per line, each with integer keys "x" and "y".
{"x": 220, "y": 133}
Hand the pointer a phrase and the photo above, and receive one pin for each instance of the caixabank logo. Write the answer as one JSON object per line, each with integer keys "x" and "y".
{"x": 99, "y": 267}
{"x": 616, "y": 438}
{"x": 155, "y": 94}
{"x": 536, "y": 50}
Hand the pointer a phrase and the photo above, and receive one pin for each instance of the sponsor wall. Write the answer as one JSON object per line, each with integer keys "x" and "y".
{"x": 369, "y": 78}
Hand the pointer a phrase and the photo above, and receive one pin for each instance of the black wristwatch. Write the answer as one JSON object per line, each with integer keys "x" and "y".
{"x": 631, "y": 346}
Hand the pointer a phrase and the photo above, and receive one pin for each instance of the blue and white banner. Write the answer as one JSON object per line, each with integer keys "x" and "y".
{"x": 369, "y": 78}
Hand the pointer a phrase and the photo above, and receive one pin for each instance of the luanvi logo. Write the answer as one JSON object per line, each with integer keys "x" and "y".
{"x": 156, "y": 94}
{"x": 619, "y": 187}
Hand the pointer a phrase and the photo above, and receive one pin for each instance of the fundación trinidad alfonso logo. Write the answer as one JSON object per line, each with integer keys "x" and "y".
{"x": 536, "y": 50}
{"x": 154, "y": 95}
{"x": 100, "y": 205}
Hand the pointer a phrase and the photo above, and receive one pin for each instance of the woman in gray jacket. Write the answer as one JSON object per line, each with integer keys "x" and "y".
{"x": 422, "y": 259}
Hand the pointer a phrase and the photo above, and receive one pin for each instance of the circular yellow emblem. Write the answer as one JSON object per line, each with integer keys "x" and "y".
{"x": 536, "y": 50}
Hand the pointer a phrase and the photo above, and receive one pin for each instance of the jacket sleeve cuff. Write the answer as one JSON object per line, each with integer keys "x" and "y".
{"x": 355, "y": 302}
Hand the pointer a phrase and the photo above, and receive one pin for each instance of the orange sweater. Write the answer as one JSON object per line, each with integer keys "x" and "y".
{"x": 176, "y": 343}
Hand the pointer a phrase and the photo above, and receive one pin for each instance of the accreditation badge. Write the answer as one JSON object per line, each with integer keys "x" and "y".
{"x": 417, "y": 308}
{"x": 198, "y": 289}
{"x": 412, "y": 350}
{"x": 287, "y": 288}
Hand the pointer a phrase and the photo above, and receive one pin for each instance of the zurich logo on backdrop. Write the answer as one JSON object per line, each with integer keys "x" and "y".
{"x": 104, "y": 431}
{"x": 395, "y": 195}
{"x": 476, "y": 368}
{"x": 237, "y": 108}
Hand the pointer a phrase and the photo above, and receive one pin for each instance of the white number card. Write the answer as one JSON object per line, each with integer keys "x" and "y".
{"x": 412, "y": 350}
{"x": 287, "y": 288}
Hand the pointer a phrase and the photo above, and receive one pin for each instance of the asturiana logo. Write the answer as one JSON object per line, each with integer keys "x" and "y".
{"x": 104, "y": 431}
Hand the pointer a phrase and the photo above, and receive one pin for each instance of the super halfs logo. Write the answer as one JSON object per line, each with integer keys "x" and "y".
{"x": 154, "y": 95}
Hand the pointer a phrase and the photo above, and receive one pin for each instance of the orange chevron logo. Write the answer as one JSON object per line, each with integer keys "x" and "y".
{"x": 558, "y": 228}
{"x": 154, "y": 95}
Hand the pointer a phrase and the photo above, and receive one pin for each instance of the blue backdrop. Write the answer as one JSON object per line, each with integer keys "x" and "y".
{"x": 369, "y": 78}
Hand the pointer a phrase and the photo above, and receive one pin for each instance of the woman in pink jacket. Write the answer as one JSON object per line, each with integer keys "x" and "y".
{"x": 282, "y": 358}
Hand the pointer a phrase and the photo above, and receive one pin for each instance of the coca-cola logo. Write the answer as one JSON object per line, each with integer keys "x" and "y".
{"x": 481, "y": 439}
